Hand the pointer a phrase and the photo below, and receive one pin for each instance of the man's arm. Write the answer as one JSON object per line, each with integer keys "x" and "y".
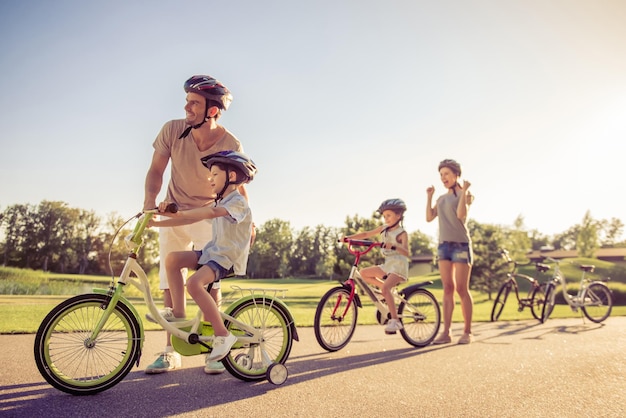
{"x": 154, "y": 180}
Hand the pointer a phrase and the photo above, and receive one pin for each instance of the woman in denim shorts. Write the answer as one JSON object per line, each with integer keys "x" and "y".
{"x": 455, "y": 247}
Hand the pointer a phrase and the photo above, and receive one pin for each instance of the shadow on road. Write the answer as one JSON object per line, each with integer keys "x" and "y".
{"x": 189, "y": 390}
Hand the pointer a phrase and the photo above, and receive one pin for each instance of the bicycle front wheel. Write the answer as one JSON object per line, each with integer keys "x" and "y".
{"x": 498, "y": 304}
{"x": 250, "y": 363}
{"x": 335, "y": 319}
{"x": 421, "y": 316}
{"x": 537, "y": 299}
{"x": 597, "y": 302}
{"x": 548, "y": 305}
{"x": 73, "y": 363}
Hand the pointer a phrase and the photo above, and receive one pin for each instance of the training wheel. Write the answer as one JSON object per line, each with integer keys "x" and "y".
{"x": 277, "y": 374}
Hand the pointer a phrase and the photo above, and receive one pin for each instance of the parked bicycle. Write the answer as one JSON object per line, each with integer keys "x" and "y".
{"x": 593, "y": 298}
{"x": 90, "y": 342}
{"x": 536, "y": 291}
{"x": 336, "y": 314}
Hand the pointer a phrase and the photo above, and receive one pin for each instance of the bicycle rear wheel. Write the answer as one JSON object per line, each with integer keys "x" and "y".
{"x": 537, "y": 299}
{"x": 598, "y": 302}
{"x": 335, "y": 319}
{"x": 70, "y": 362}
{"x": 548, "y": 305}
{"x": 251, "y": 363}
{"x": 421, "y": 316}
{"x": 498, "y": 304}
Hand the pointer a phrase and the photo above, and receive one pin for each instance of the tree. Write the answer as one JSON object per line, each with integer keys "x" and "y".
{"x": 516, "y": 240}
{"x": 612, "y": 230}
{"x": 85, "y": 228}
{"x": 421, "y": 244}
{"x": 587, "y": 239}
{"x": 14, "y": 223}
{"x": 269, "y": 257}
{"x": 488, "y": 266}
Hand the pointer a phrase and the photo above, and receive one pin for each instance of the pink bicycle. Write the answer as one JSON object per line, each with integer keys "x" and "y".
{"x": 336, "y": 314}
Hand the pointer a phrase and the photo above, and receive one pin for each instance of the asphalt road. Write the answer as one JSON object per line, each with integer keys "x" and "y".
{"x": 564, "y": 368}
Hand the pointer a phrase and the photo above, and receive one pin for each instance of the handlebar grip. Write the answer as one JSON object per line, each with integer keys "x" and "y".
{"x": 171, "y": 208}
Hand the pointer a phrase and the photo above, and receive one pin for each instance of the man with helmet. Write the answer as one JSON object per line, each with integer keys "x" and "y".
{"x": 226, "y": 252}
{"x": 395, "y": 249}
{"x": 454, "y": 251}
{"x": 183, "y": 142}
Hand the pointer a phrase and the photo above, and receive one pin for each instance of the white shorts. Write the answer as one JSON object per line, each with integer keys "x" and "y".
{"x": 182, "y": 238}
{"x": 397, "y": 265}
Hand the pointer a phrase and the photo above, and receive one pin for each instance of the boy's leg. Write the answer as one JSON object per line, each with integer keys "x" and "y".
{"x": 196, "y": 287}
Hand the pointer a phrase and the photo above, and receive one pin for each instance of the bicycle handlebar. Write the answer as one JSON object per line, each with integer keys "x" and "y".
{"x": 360, "y": 243}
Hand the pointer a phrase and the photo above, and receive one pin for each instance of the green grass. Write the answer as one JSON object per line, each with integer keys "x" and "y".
{"x": 24, "y": 313}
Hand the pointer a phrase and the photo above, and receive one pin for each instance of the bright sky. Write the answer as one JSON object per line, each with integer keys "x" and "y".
{"x": 342, "y": 104}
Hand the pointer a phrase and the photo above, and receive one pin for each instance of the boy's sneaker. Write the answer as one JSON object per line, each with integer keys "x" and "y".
{"x": 392, "y": 326}
{"x": 214, "y": 367}
{"x": 221, "y": 347}
{"x": 165, "y": 362}
{"x": 165, "y": 313}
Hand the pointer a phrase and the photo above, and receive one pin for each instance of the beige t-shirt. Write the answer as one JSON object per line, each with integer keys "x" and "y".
{"x": 189, "y": 180}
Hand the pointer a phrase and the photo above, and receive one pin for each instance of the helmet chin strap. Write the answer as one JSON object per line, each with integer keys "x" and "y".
{"x": 190, "y": 127}
{"x": 453, "y": 188}
{"x": 394, "y": 225}
{"x": 220, "y": 195}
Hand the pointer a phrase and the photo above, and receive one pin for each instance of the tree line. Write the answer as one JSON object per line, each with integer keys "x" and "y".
{"x": 52, "y": 236}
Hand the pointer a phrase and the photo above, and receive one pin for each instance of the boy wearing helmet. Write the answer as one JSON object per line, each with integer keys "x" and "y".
{"x": 227, "y": 251}
{"x": 184, "y": 142}
{"x": 395, "y": 249}
{"x": 454, "y": 252}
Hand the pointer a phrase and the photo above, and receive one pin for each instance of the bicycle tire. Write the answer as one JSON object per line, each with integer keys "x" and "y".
{"x": 597, "y": 302}
{"x": 500, "y": 301}
{"x": 249, "y": 363}
{"x": 421, "y": 316}
{"x": 69, "y": 364}
{"x": 548, "y": 305}
{"x": 537, "y": 299}
{"x": 333, "y": 328}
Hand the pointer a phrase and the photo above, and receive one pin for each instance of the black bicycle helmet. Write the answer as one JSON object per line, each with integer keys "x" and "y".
{"x": 392, "y": 204}
{"x": 212, "y": 90}
{"x": 452, "y": 165}
{"x": 241, "y": 163}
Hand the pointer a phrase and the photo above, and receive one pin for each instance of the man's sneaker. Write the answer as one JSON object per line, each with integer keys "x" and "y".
{"x": 221, "y": 347}
{"x": 392, "y": 326}
{"x": 214, "y": 367}
{"x": 165, "y": 362}
{"x": 165, "y": 313}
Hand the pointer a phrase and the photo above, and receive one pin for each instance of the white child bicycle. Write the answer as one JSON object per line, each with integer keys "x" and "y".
{"x": 90, "y": 342}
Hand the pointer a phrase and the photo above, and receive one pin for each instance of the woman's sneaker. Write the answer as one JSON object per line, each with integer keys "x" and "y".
{"x": 214, "y": 367}
{"x": 392, "y": 326}
{"x": 165, "y": 362}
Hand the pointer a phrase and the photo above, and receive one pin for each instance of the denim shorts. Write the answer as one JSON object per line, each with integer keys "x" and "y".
{"x": 220, "y": 272}
{"x": 457, "y": 252}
